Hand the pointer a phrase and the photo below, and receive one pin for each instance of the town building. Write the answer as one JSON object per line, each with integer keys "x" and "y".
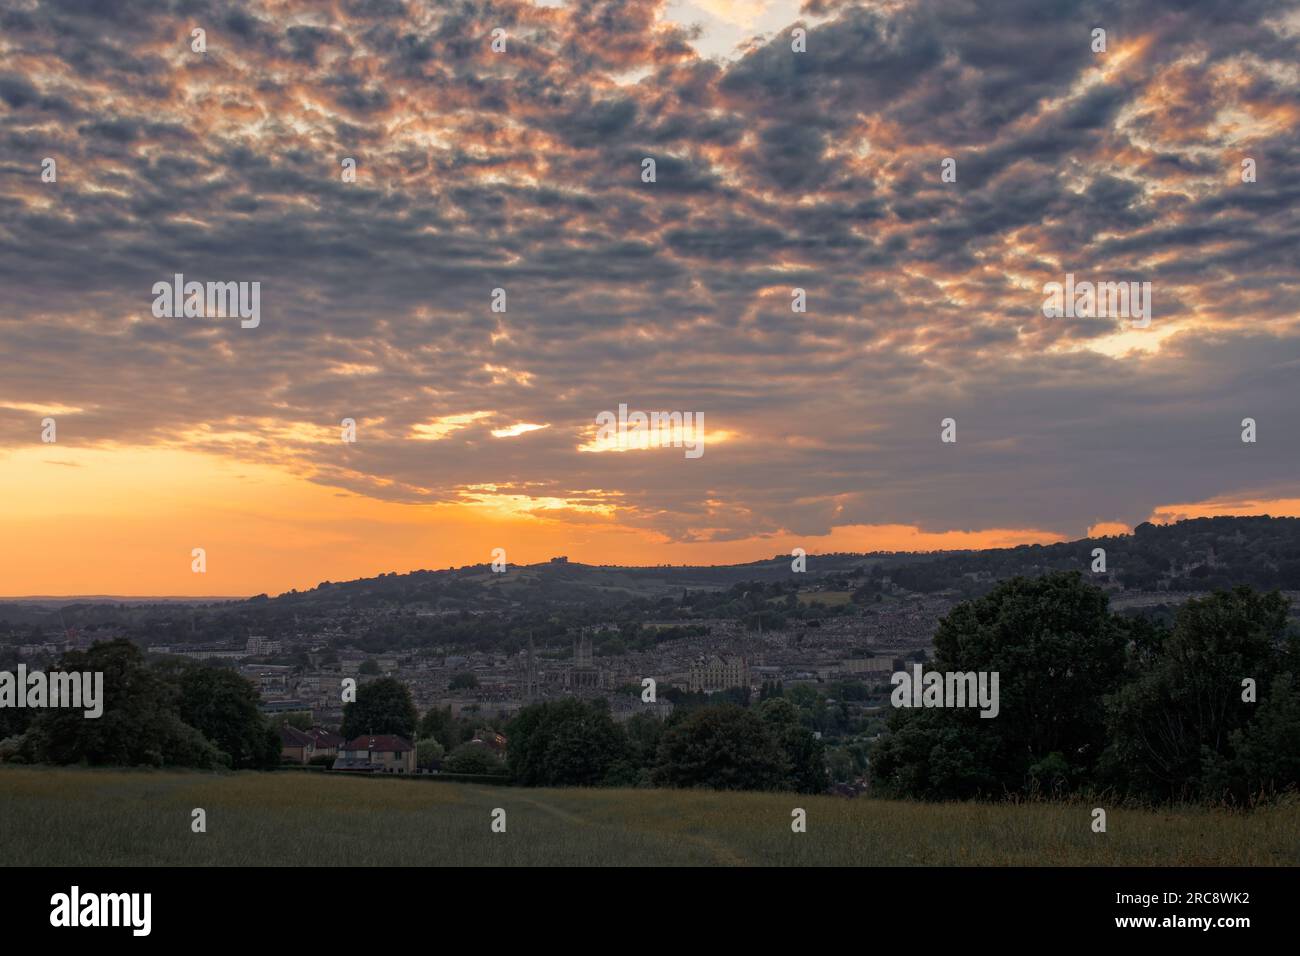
{"x": 296, "y": 746}
{"x": 718, "y": 673}
{"x": 377, "y": 753}
{"x": 262, "y": 647}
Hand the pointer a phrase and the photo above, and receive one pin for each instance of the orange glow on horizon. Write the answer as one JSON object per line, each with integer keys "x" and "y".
{"x": 123, "y": 521}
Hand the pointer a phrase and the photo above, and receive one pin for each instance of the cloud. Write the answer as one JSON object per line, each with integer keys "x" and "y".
{"x": 775, "y": 171}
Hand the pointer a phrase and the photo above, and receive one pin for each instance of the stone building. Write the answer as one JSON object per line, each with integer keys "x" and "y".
{"x": 719, "y": 673}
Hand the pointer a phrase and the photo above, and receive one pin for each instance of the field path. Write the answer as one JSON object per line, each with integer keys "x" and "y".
{"x": 722, "y": 854}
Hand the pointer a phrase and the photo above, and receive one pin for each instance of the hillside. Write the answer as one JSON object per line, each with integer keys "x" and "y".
{"x": 1193, "y": 555}
{"x": 474, "y": 607}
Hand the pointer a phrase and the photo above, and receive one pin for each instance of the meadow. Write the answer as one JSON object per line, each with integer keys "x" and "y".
{"x": 76, "y": 817}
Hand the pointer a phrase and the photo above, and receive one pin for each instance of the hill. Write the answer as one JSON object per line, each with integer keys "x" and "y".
{"x": 474, "y": 607}
{"x": 1197, "y": 554}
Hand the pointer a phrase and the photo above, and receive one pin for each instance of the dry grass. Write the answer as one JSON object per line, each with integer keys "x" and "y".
{"x": 118, "y": 818}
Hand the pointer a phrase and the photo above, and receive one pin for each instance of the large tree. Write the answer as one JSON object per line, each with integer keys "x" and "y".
{"x": 222, "y": 705}
{"x": 140, "y": 724}
{"x": 383, "y": 706}
{"x": 564, "y": 743}
{"x": 805, "y": 755}
{"x": 1057, "y": 651}
{"x": 1265, "y": 757}
{"x": 438, "y": 724}
{"x": 1180, "y": 725}
{"x": 724, "y": 748}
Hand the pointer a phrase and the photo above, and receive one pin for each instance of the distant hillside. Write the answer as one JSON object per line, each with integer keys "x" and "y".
{"x": 559, "y": 582}
{"x": 475, "y": 607}
{"x": 1194, "y": 555}
{"x": 1198, "y": 554}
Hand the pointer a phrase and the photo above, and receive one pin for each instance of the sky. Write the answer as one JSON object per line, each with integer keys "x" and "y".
{"x": 523, "y": 171}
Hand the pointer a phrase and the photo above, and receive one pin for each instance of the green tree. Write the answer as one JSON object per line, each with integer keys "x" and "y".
{"x": 472, "y": 758}
{"x": 427, "y": 753}
{"x": 723, "y": 748}
{"x": 140, "y": 724}
{"x": 463, "y": 681}
{"x": 644, "y": 731}
{"x": 14, "y": 721}
{"x": 222, "y": 706}
{"x": 440, "y": 725}
{"x": 928, "y": 755}
{"x": 564, "y": 743}
{"x": 805, "y": 754}
{"x": 382, "y": 706}
{"x": 1266, "y": 754}
{"x": 369, "y": 668}
{"x": 1057, "y": 651}
{"x": 1176, "y": 724}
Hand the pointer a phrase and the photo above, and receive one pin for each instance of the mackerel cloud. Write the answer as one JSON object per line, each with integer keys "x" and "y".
{"x": 775, "y": 170}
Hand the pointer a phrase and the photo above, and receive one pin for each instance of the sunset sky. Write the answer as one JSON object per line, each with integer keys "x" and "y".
{"x": 776, "y": 170}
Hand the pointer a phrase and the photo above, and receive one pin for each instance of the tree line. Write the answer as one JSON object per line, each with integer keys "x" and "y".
{"x": 166, "y": 713}
{"x": 577, "y": 743}
{"x": 1206, "y": 708}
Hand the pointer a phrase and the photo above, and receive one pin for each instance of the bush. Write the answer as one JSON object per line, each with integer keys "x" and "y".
{"x": 473, "y": 759}
{"x": 428, "y": 753}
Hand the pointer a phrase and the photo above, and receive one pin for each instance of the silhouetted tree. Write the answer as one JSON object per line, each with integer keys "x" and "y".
{"x": 723, "y": 748}
{"x": 382, "y": 706}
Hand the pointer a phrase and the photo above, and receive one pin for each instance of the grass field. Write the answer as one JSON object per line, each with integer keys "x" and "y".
{"x": 107, "y": 817}
{"x": 828, "y": 598}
